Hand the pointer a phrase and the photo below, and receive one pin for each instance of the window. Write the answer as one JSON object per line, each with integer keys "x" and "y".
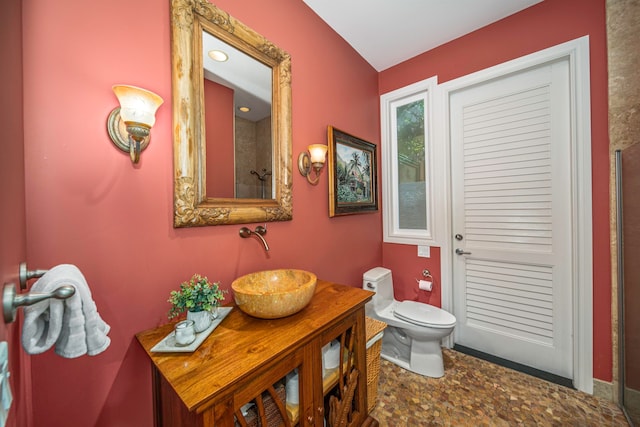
{"x": 408, "y": 164}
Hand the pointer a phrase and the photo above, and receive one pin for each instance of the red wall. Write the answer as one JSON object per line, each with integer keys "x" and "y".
{"x": 87, "y": 205}
{"x": 407, "y": 268}
{"x": 547, "y": 24}
{"x": 219, "y": 121}
{"x": 12, "y": 193}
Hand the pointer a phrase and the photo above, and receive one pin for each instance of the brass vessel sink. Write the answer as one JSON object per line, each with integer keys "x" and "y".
{"x": 273, "y": 294}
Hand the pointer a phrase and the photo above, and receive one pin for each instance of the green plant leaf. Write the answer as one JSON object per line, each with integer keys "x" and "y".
{"x": 197, "y": 294}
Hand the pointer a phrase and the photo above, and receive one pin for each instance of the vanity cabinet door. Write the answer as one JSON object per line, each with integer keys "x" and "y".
{"x": 344, "y": 385}
{"x": 265, "y": 390}
{"x": 316, "y": 411}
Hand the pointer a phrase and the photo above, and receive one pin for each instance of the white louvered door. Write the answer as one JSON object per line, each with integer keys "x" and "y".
{"x": 511, "y": 205}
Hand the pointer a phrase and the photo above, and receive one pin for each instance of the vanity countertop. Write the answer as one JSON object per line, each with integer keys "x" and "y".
{"x": 241, "y": 344}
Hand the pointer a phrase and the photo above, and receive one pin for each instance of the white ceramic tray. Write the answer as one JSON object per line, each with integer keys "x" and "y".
{"x": 168, "y": 343}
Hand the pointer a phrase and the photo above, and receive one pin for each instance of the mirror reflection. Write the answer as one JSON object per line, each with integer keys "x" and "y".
{"x": 237, "y": 113}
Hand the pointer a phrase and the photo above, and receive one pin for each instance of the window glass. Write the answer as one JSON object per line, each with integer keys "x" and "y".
{"x": 410, "y": 132}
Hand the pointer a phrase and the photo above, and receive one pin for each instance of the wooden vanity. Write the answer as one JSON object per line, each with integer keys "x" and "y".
{"x": 244, "y": 357}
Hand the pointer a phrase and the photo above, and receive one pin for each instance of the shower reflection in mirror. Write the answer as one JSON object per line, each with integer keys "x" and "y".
{"x": 237, "y": 110}
{"x": 262, "y": 177}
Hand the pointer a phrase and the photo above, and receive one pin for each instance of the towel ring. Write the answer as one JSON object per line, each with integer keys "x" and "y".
{"x": 11, "y": 300}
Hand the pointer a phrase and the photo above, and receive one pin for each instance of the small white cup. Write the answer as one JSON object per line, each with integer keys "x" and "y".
{"x": 292, "y": 392}
{"x": 185, "y": 332}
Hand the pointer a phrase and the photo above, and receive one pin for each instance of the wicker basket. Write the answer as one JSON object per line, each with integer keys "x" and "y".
{"x": 374, "y": 344}
{"x": 270, "y": 409}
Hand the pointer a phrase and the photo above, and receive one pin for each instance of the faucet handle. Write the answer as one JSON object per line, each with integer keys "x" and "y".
{"x": 261, "y": 230}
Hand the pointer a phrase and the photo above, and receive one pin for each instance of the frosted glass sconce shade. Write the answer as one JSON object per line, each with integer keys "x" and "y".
{"x": 317, "y": 153}
{"x": 137, "y": 115}
{"x": 137, "y": 105}
{"x": 314, "y": 159}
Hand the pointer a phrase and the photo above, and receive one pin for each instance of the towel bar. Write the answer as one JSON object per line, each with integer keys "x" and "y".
{"x": 11, "y": 300}
{"x": 25, "y": 274}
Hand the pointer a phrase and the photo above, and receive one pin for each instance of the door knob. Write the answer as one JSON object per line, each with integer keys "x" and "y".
{"x": 462, "y": 252}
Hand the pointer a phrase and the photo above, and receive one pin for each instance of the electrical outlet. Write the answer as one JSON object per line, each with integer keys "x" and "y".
{"x": 424, "y": 251}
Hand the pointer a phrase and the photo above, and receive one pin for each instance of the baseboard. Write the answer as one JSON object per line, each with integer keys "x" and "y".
{"x": 547, "y": 376}
{"x": 603, "y": 389}
{"x": 632, "y": 403}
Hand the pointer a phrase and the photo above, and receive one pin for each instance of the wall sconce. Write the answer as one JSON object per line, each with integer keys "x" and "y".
{"x": 129, "y": 124}
{"x": 315, "y": 157}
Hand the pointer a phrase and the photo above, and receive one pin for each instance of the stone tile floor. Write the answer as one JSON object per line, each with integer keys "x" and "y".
{"x": 474, "y": 392}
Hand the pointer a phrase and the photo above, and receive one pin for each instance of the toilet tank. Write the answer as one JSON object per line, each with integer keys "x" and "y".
{"x": 379, "y": 280}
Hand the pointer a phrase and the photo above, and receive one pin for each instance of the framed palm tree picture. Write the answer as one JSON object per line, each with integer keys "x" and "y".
{"x": 352, "y": 174}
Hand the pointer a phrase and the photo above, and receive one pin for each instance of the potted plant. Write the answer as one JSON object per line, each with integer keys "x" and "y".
{"x": 200, "y": 298}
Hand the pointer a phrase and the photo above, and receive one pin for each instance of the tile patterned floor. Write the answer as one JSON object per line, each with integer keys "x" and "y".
{"x": 474, "y": 393}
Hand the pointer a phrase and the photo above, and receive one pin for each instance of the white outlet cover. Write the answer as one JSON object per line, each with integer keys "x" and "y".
{"x": 424, "y": 251}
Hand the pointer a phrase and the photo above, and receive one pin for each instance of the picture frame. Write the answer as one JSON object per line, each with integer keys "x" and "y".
{"x": 353, "y": 179}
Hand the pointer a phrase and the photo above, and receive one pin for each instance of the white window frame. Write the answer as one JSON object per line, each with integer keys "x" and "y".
{"x": 389, "y": 102}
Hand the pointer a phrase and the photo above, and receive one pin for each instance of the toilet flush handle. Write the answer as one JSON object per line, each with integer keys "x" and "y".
{"x": 370, "y": 285}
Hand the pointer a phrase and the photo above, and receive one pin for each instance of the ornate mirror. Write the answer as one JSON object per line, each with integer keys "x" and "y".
{"x": 231, "y": 166}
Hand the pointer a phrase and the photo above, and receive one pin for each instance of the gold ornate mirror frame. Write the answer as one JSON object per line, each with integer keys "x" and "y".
{"x": 191, "y": 206}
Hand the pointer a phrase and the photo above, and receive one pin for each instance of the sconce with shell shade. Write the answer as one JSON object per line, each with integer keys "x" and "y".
{"x": 130, "y": 124}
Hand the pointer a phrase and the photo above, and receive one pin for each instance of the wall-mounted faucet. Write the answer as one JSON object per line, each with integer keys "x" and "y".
{"x": 260, "y": 231}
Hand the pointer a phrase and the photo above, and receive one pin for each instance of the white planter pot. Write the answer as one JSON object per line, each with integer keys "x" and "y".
{"x": 202, "y": 319}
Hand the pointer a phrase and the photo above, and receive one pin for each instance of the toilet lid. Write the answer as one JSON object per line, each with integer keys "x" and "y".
{"x": 424, "y": 314}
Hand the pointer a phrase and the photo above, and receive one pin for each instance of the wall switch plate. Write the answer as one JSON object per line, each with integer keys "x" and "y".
{"x": 424, "y": 251}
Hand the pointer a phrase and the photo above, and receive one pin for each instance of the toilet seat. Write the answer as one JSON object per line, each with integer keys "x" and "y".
{"x": 424, "y": 315}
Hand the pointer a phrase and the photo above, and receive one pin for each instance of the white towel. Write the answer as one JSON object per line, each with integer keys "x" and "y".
{"x": 73, "y": 324}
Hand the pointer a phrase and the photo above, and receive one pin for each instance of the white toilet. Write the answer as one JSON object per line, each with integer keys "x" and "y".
{"x": 415, "y": 330}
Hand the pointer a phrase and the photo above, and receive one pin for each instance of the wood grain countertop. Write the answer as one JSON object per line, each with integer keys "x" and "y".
{"x": 242, "y": 344}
